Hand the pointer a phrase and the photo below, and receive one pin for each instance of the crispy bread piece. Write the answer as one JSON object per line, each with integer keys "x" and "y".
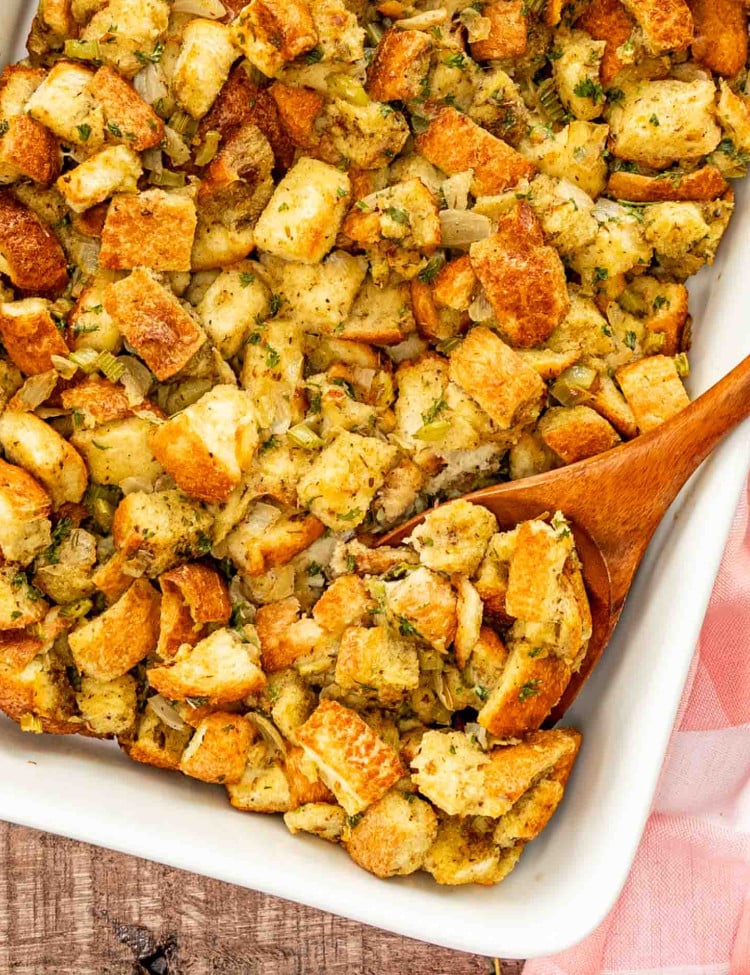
{"x": 667, "y": 25}
{"x": 139, "y": 124}
{"x": 206, "y": 55}
{"x": 284, "y": 637}
{"x": 705, "y": 183}
{"x": 394, "y": 835}
{"x": 24, "y": 515}
{"x": 576, "y": 432}
{"x": 377, "y": 660}
{"x": 509, "y": 31}
{"x": 155, "y": 743}
{"x": 426, "y": 602}
{"x": 193, "y": 595}
{"x": 115, "y": 169}
{"x": 30, "y": 149}
{"x": 346, "y": 602}
{"x": 154, "y": 229}
{"x": 217, "y": 752}
{"x": 272, "y": 32}
{"x": 354, "y": 762}
{"x": 29, "y": 253}
{"x": 608, "y": 20}
{"x": 454, "y": 537}
{"x": 30, "y": 335}
{"x": 720, "y": 35}
{"x": 399, "y": 66}
{"x": 653, "y": 389}
{"x": 36, "y": 446}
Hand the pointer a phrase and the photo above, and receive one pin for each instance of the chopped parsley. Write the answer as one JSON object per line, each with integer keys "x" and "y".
{"x": 530, "y": 689}
{"x": 154, "y": 57}
{"x": 588, "y": 88}
{"x": 398, "y": 215}
{"x": 654, "y": 120}
{"x": 630, "y": 339}
{"x": 84, "y": 131}
{"x": 246, "y": 278}
{"x": 456, "y": 60}
{"x": 601, "y": 274}
{"x": 434, "y": 411}
{"x": 314, "y": 56}
{"x": 431, "y": 270}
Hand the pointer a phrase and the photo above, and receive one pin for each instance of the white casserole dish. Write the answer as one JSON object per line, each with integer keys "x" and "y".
{"x": 568, "y": 879}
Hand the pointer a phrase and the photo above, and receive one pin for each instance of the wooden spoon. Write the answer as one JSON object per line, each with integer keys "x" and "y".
{"x": 615, "y": 501}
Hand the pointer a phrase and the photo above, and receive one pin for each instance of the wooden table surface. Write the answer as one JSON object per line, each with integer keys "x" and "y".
{"x": 67, "y": 908}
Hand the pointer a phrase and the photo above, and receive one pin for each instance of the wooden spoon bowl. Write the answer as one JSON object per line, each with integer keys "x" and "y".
{"x": 615, "y": 502}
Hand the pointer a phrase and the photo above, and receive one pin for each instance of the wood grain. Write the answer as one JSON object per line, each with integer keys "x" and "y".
{"x": 67, "y": 908}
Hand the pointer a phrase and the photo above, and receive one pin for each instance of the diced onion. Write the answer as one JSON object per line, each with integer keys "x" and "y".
{"x": 65, "y": 367}
{"x": 480, "y": 310}
{"x": 456, "y": 190}
{"x": 149, "y": 84}
{"x": 459, "y": 228}
{"x": 152, "y": 160}
{"x": 477, "y": 732}
{"x": 38, "y": 388}
{"x": 132, "y": 485}
{"x": 87, "y": 254}
{"x": 443, "y": 692}
{"x": 477, "y": 27}
{"x": 567, "y": 190}
{"x": 270, "y": 733}
{"x": 608, "y": 210}
{"x": 166, "y": 177}
{"x": 212, "y": 9}
{"x": 166, "y": 713}
{"x": 424, "y": 20}
{"x": 260, "y": 517}
{"x": 135, "y": 378}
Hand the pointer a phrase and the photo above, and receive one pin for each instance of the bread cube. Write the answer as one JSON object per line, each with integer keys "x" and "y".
{"x": 119, "y": 450}
{"x": 193, "y": 595}
{"x": 255, "y": 547}
{"x": 462, "y": 855}
{"x": 453, "y": 538}
{"x": 18, "y": 82}
{"x": 222, "y": 668}
{"x": 658, "y": 122}
{"x": 508, "y": 37}
{"x": 322, "y": 295}
{"x": 720, "y": 35}
{"x": 400, "y": 65}
{"x": 154, "y": 322}
{"x": 449, "y": 769}
{"x": 423, "y": 604}
{"x": 454, "y": 143}
{"x": 231, "y": 305}
{"x": 159, "y": 530}
{"x": 217, "y": 752}
{"x": 541, "y": 755}
{"x": 63, "y": 102}
{"x": 304, "y": 785}
{"x": 381, "y": 316}
{"x": 157, "y": 743}
{"x": 108, "y": 707}
{"x": 491, "y": 373}
{"x": 365, "y": 135}
{"x": 667, "y": 25}
{"x": 98, "y": 400}
{"x": 705, "y": 183}
{"x": 206, "y": 55}
{"x": 298, "y": 109}
{"x": 577, "y": 432}
{"x": 405, "y": 214}
{"x": 378, "y": 661}
{"x": 304, "y": 214}
{"x": 27, "y": 148}
{"x": 284, "y": 636}
{"x": 125, "y": 111}
{"x": 523, "y": 277}
{"x": 152, "y": 229}
{"x": 29, "y": 253}
{"x": 356, "y": 764}
{"x": 264, "y": 787}
{"x": 30, "y": 335}
{"x": 346, "y": 602}
{"x": 319, "y": 818}
{"x": 607, "y": 20}
{"x": 24, "y": 515}
{"x": 271, "y": 32}
{"x": 290, "y": 701}
{"x": 138, "y": 30}
{"x": 208, "y": 445}
{"x": 116, "y": 169}
{"x": 108, "y": 645}
{"x": 38, "y": 448}
{"x": 340, "y": 37}
{"x": 576, "y": 73}
{"x": 394, "y": 835}
{"x": 575, "y": 153}
{"x": 653, "y": 390}
{"x": 536, "y": 565}
{"x": 344, "y": 478}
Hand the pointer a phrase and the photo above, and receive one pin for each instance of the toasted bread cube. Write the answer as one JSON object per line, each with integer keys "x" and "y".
{"x": 154, "y": 322}
{"x": 667, "y": 25}
{"x": 319, "y": 818}
{"x": 231, "y": 305}
{"x": 491, "y": 373}
{"x": 165, "y": 527}
{"x": 271, "y": 32}
{"x": 157, "y": 743}
{"x": 29, "y": 149}
{"x": 108, "y": 645}
{"x": 535, "y": 569}
{"x": 607, "y": 20}
{"x": 284, "y": 637}
{"x": 29, "y": 253}
{"x": 454, "y": 144}
{"x": 139, "y": 124}
{"x": 354, "y": 762}
{"x": 455, "y": 284}
{"x": 658, "y": 122}
{"x": 576, "y": 73}
{"x": 524, "y": 279}
{"x": 63, "y": 103}
{"x": 425, "y": 602}
{"x": 531, "y": 684}
{"x": 207, "y": 446}
{"x": 366, "y": 136}
{"x": 720, "y": 35}
{"x": 119, "y": 450}
{"x": 304, "y": 214}
{"x": 470, "y": 613}
{"x": 304, "y": 785}
{"x": 255, "y": 548}
{"x": 322, "y": 294}
{"x": 508, "y": 37}
{"x": 514, "y": 769}
{"x": 30, "y": 335}
{"x": 18, "y": 82}
{"x": 346, "y": 602}
{"x": 290, "y": 701}
{"x": 393, "y": 836}
{"x": 577, "y": 432}
{"x": 461, "y": 855}
{"x": 298, "y": 109}
{"x": 400, "y": 65}
{"x": 203, "y": 64}
{"x": 137, "y": 31}
{"x": 193, "y": 596}
{"x": 705, "y": 183}
{"x": 264, "y": 786}
{"x": 98, "y": 400}
{"x": 108, "y": 706}
{"x": 115, "y": 169}
{"x": 20, "y": 604}
{"x": 449, "y": 770}
{"x": 38, "y": 448}
{"x": 217, "y": 752}
{"x": 685, "y": 236}
{"x": 653, "y": 389}
{"x": 154, "y": 229}
{"x": 575, "y": 153}
{"x": 377, "y": 660}
{"x": 453, "y": 538}
{"x": 405, "y": 214}
{"x": 344, "y": 479}
{"x": 340, "y": 37}
{"x": 222, "y": 667}
{"x": 24, "y": 515}
{"x": 382, "y": 316}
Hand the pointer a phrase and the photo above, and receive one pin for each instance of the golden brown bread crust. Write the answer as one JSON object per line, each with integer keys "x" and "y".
{"x": 31, "y": 338}
{"x": 298, "y": 110}
{"x": 454, "y": 144}
{"x": 529, "y": 688}
{"x": 667, "y": 25}
{"x": 576, "y": 432}
{"x": 399, "y": 66}
{"x": 218, "y": 750}
{"x": 653, "y": 389}
{"x": 202, "y": 589}
{"x": 720, "y": 35}
{"x": 103, "y": 400}
{"x": 346, "y": 602}
{"x": 303, "y": 789}
{"x": 705, "y": 183}
{"x": 508, "y": 36}
{"x": 35, "y": 261}
{"x": 151, "y": 229}
{"x": 32, "y": 149}
{"x": 284, "y": 637}
{"x": 608, "y": 20}
{"x": 455, "y": 284}
{"x": 30, "y": 500}
{"x": 514, "y": 768}
{"x": 125, "y": 108}
{"x": 154, "y": 322}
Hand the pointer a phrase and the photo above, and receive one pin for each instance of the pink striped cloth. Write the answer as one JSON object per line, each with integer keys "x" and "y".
{"x": 685, "y": 909}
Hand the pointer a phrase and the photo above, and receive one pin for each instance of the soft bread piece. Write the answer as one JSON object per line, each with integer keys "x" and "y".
{"x": 24, "y": 515}
{"x": 108, "y": 645}
{"x": 30, "y": 335}
{"x": 462, "y": 855}
{"x": 155, "y": 743}
{"x": 217, "y": 752}
{"x": 154, "y": 229}
{"x": 426, "y": 602}
{"x": 352, "y": 760}
{"x": 379, "y": 661}
{"x": 653, "y": 389}
{"x": 29, "y": 253}
{"x": 115, "y": 169}
{"x": 203, "y": 64}
{"x": 399, "y": 66}
{"x": 394, "y": 835}
{"x": 63, "y": 102}
{"x": 271, "y": 32}
{"x": 193, "y": 595}
{"x": 453, "y": 538}
{"x": 38, "y": 448}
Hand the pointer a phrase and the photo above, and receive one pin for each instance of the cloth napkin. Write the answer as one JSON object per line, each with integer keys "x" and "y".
{"x": 685, "y": 909}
